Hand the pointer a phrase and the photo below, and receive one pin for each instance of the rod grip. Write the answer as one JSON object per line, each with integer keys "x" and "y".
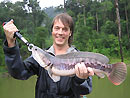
{"x": 18, "y": 35}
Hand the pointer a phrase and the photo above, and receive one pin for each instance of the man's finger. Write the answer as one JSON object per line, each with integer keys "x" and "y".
{"x": 90, "y": 71}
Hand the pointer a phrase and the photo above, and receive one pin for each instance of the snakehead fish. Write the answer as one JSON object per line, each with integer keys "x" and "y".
{"x": 64, "y": 65}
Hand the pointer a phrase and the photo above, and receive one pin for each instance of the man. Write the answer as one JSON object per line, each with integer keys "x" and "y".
{"x": 67, "y": 87}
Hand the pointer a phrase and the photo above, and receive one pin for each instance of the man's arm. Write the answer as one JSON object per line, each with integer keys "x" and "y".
{"x": 82, "y": 86}
{"x": 82, "y": 82}
{"x": 17, "y": 68}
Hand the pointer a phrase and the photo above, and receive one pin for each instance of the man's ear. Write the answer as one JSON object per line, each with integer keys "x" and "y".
{"x": 70, "y": 33}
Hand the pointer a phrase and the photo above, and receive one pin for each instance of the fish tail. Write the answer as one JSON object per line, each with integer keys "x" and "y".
{"x": 118, "y": 73}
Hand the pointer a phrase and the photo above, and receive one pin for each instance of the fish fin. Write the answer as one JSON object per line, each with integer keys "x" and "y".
{"x": 55, "y": 78}
{"x": 100, "y": 75}
{"x": 118, "y": 73}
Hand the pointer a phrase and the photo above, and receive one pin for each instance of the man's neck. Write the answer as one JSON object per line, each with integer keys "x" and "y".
{"x": 60, "y": 49}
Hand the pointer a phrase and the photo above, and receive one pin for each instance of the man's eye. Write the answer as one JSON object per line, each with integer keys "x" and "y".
{"x": 56, "y": 28}
{"x": 65, "y": 29}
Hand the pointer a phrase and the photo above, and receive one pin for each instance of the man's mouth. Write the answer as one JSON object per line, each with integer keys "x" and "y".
{"x": 59, "y": 38}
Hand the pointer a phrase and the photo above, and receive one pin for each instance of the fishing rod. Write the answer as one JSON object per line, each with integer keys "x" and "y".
{"x": 18, "y": 35}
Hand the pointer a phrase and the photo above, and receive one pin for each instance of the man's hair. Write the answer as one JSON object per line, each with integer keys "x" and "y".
{"x": 67, "y": 20}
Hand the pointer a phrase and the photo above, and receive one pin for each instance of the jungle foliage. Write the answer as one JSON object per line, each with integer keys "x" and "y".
{"x": 96, "y": 27}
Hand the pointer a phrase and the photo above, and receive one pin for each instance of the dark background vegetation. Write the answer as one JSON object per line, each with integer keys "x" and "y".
{"x": 96, "y": 25}
{"x": 96, "y": 30}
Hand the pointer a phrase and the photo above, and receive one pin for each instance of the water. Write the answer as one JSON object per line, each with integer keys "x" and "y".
{"x": 12, "y": 88}
{"x": 102, "y": 88}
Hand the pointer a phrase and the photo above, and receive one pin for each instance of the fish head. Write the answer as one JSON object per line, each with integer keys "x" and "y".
{"x": 40, "y": 56}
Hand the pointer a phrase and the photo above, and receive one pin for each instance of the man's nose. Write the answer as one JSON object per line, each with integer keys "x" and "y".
{"x": 60, "y": 31}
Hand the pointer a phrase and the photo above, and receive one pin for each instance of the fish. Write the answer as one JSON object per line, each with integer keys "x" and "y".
{"x": 64, "y": 64}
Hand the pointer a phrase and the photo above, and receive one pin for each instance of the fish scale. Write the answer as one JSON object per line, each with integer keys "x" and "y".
{"x": 79, "y": 55}
{"x": 66, "y": 64}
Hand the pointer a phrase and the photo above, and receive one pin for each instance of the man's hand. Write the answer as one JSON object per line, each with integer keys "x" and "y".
{"x": 82, "y": 71}
{"x": 10, "y": 29}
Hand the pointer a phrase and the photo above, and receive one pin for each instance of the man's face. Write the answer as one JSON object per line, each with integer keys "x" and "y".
{"x": 60, "y": 33}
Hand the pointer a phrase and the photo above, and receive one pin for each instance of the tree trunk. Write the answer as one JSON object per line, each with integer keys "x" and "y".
{"x": 127, "y": 26}
{"x": 97, "y": 21}
{"x": 64, "y": 6}
{"x": 84, "y": 15}
{"x": 119, "y": 28}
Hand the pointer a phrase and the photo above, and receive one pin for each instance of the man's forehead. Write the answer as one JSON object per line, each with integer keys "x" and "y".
{"x": 57, "y": 21}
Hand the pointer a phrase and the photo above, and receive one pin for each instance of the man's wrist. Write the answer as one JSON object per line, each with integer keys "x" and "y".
{"x": 79, "y": 80}
{"x": 11, "y": 43}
